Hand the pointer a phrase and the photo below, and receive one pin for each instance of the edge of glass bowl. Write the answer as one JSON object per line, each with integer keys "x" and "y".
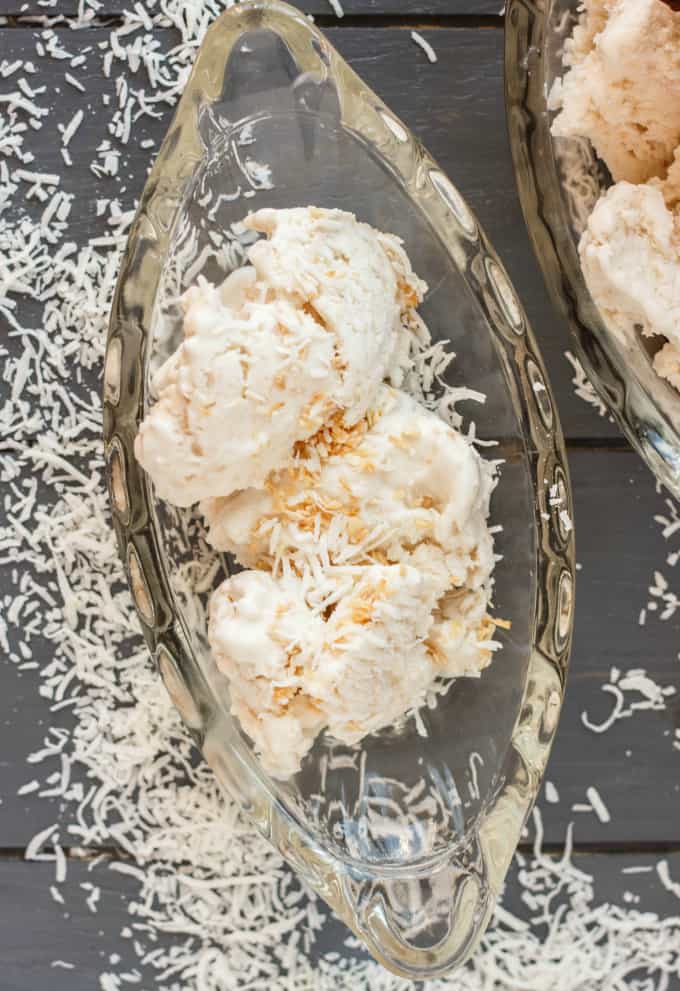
{"x": 636, "y": 410}
{"x": 473, "y": 873}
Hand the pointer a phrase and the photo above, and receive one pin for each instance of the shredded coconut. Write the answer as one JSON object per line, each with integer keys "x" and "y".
{"x": 584, "y": 388}
{"x": 425, "y": 45}
{"x": 551, "y": 793}
{"x": 598, "y": 806}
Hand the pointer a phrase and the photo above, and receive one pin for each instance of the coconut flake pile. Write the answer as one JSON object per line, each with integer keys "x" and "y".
{"x": 215, "y": 908}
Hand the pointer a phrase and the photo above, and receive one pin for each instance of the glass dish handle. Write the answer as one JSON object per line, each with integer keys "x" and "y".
{"x": 424, "y": 926}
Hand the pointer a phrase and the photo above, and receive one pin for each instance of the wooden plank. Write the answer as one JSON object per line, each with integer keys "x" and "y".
{"x": 357, "y": 8}
{"x": 455, "y": 106}
{"x": 37, "y": 931}
{"x": 619, "y": 547}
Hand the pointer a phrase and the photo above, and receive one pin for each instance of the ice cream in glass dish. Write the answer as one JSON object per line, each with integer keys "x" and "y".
{"x": 621, "y": 90}
{"x": 295, "y": 415}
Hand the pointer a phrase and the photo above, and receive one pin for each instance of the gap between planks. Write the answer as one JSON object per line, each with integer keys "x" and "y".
{"x": 427, "y": 22}
{"x": 641, "y": 848}
{"x": 588, "y": 445}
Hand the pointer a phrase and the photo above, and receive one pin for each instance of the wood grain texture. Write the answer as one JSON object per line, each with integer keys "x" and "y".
{"x": 615, "y": 502}
{"x": 368, "y": 8}
{"x": 38, "y": 931}
{"x": 454, "y": 106}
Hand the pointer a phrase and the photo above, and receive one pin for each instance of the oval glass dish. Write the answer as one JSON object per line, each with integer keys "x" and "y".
{"x": 408, "y": 837}
{"x": 559, "y": 182}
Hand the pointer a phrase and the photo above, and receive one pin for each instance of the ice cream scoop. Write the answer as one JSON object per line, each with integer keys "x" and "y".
{"x": 630, "y": 255}
{"x": 400, "y": 483}
{"x": 347, "y": 652}
{"x": 264, "y": 637}
{"x": 309, "y": 330}
{"x": 355, "y": 280}
{"x": 622, "y": 85}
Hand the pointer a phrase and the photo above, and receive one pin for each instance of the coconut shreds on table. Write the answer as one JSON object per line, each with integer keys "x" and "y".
{"x": 425, "y": 45}
{"x": 636, "y": 690}
{"x": 584, "y": 388}
{"x": 337, "y": 8}
{"x": 215, "y": 908}
{"x": 598, "y": 805}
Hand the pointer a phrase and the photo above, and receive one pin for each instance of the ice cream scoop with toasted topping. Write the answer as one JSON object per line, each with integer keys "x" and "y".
{"x": 381, "y": 533}
{"x": 309, "y": 330}
{"x": 622, "y": 87}
{"x": 630, "y": 254}
{"x": 621, "y": 90}
{"x": 352, "y": 652}
{"x": 401, "y": 481}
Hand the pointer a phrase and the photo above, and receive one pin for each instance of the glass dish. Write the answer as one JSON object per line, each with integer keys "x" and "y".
{"x": 408, "y": 838}
{"x": 559, "y": 181}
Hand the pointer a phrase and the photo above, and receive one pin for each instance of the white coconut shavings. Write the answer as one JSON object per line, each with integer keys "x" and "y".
{"x": 551, "y": 793}
{"x": 425, "y": 45}
{"x": 597, "y": 804}
{"x": 663, "y": 600}
{"x": 72, "y": 81}
{"x": 584, "y": 388}
{"x": 34, "y": 850}
{"x": 632, "y": 692}
{"x": 337, "y": 8}
{"x": 215, "y": 909}
{"x": 663, "y": 870}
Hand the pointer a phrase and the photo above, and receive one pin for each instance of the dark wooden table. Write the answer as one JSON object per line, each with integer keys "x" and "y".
{"x": 456, "y": 107}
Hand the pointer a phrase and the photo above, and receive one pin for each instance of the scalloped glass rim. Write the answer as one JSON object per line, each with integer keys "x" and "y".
{"x": 646, "y": 408}
{"x": 471, "y": 873}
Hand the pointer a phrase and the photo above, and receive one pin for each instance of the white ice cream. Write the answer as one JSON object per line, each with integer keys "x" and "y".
{"x": 351, "y": 653}
{"x": 356, "y": 280}
{"x": 400, "y": 483}
{"x": 309, "y": 330}
{"x": 622, "y": 85}
{"x": 383, "y": 531}
{"x": 667, "y": 364}
{"x": 630, "y": 255}
{"x": 462, "y": 637}
{"x": 264, "y": 637}
{"x": 622, "y": 91}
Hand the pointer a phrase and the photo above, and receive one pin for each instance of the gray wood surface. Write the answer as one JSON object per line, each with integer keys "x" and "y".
{"x": 38, "y": 931}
